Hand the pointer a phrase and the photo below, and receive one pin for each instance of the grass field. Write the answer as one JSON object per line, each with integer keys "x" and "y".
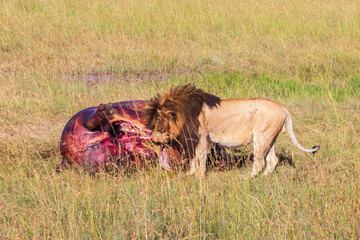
{"x": 59, "y": 57}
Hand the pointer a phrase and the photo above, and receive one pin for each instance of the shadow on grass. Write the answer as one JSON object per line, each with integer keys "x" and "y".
{"x": 220, "y": 159}
{"x": 224, "y": 158}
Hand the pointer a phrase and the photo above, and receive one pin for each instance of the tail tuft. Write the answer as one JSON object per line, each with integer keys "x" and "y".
{"x": 315, "y": 148}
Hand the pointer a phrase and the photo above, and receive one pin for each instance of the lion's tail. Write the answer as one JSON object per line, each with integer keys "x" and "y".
{"x": 289, "y": 126}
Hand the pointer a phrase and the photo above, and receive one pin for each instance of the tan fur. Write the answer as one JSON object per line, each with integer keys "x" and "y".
{"x": 233, "y": 122}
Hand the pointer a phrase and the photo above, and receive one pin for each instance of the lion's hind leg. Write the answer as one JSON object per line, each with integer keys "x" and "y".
{"x": 271, "y": 161}
{"x": 263, "y": 148}
{"x": 259, "y": 161}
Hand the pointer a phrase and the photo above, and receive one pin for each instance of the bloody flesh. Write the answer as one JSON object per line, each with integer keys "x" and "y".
{"x": 123, "y": 141}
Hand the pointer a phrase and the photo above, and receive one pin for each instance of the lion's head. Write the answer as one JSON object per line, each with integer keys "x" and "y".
{"x": 173, "y": 116}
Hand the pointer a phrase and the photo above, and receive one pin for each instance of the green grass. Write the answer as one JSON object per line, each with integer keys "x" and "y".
{"x": 302, "y": 54}
{"x": 316, "y": 199}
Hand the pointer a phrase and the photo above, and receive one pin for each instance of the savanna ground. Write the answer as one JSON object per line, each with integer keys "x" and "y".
{"x": 58, "y": 57}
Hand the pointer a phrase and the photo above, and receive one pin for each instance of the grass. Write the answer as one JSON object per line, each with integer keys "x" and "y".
{"x": 289, "y": 37}
{"x": 302, "y": 54}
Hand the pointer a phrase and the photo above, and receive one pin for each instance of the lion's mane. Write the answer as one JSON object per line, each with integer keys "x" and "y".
{"x": 178, "y": 111}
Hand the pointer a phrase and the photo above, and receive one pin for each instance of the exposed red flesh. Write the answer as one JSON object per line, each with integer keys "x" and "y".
{"x": 122, "y": 142}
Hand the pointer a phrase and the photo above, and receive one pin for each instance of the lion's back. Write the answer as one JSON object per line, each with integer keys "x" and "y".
{"x": 236, "y": 121}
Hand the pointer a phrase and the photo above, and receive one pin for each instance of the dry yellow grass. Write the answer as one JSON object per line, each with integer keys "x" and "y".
{"x": 316, "y": 199}
{"x": 304, "y": 54}
{"x": 291, "y": 37}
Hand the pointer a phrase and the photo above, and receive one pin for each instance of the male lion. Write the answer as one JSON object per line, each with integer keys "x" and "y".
{"x": 193, "y": 118}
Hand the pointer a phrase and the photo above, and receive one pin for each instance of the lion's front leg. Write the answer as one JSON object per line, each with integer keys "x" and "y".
{"x": 192, "y": 167}
{"x": 198, "y": 162}
{"x": 200, "y": 157}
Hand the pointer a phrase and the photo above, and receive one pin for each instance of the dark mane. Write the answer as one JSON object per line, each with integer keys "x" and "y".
{"x": 183, "y": 106}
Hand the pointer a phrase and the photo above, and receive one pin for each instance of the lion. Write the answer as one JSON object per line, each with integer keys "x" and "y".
{"x": 193, "y": 119}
